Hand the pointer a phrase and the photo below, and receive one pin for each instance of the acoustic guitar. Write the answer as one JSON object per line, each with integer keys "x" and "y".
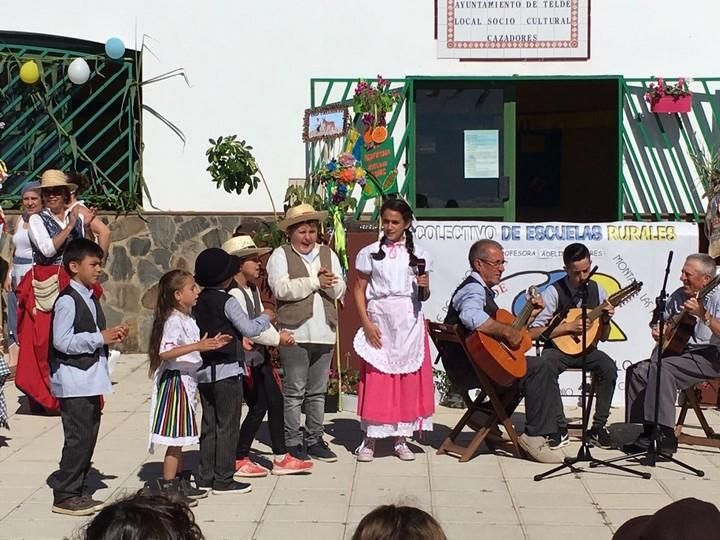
{"x": 572, "y": 344}
{"x": 498, "y": 360}
{"x": 682, "y": 325}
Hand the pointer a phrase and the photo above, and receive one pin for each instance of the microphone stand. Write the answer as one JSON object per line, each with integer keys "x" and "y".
{"x": 584, "y": 454}
{"x": 654, "y": 451}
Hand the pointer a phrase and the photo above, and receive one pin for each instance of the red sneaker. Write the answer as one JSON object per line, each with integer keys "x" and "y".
{"x": 290, "y": 465}
{"x": 244, "y": 468}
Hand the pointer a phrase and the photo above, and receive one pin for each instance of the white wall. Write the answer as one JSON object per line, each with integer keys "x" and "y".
{"x": 250, "y": 64}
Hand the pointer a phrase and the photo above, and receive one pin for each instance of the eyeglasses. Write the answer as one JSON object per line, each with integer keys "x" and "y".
{"x": 54, "y": 191}
{"x": 494, "y": 264}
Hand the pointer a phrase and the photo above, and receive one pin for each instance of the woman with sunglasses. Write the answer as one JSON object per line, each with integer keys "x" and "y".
{"x": 49, "y": 231}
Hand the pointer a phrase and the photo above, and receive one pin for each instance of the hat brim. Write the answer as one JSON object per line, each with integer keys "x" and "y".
{"x": 314, "y": 216}
{"x": 232, "y": 268}
{"x": 72, "y": 187}
{"x": 248, "y": 252}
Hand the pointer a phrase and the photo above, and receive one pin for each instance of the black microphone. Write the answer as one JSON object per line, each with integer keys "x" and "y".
{"x": 420, "y": 268}
{"x": 658, "y": 311}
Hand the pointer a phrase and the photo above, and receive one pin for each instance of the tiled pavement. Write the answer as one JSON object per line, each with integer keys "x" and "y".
{"x": 489, "y": 497}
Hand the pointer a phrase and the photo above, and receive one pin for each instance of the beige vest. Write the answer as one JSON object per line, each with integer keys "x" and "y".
{"x": 295, "y": 312}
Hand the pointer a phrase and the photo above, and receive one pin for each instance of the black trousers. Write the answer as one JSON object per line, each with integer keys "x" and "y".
{"x": 220, "y": 428}
{"x": 262, "y": 396}
{"x": 603, "y": 369}
{"x": 542, "y": 397}
{"x": 81, "y": 424}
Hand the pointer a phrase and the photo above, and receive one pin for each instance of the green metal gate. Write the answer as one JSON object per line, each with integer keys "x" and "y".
{"x": 658, "y": 177}
{"x": 93, "y": 128}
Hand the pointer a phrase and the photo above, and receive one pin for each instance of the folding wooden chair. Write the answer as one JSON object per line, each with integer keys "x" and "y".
{"x": 691, "y": 401}
{"x": 492, "y": 407}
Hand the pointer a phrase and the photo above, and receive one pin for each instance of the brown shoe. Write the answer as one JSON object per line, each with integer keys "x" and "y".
{"x": 78, "y": 506}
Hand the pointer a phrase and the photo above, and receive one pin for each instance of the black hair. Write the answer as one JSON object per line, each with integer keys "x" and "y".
{"x": 80, "y": 179}
{"x": 398, "y": 205}
{"x": 574, "y": 253}
{"x": 144, "y": 517}
{"x": 77, "y": 250}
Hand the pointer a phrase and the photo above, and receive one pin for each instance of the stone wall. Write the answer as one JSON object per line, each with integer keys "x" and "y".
{"x": 142, "y": 250}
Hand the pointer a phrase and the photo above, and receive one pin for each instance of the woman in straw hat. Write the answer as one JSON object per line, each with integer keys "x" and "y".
{"x": 49, "y": 232}
{"x": 306, "y": 279}
{"x": 261, "y": 387}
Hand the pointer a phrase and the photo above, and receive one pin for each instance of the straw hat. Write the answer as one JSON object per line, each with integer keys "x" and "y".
{"x": 299, "y": 214}
{"x": 243, "y": 246}
{"x": 54, "y": 178}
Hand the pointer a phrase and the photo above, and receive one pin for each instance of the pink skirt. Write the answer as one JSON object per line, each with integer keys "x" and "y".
{"x": 391, "y": 399}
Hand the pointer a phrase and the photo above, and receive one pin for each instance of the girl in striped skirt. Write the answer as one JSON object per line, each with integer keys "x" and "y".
{"x": 174, "y": 351}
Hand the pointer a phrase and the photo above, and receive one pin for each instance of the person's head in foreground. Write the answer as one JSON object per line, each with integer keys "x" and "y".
{"x": 686, "y": 519}
{"x": 390, "y": 522}
{"x": 144, "y": 517}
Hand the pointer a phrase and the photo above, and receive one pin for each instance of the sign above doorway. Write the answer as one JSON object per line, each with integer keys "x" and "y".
{"x": 513, "y": 29}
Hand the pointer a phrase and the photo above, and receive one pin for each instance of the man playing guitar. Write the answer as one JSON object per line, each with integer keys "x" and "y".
{"x": 698, "y": 361}
{"x": 558, "y": 297}
{"x": 472, "y": 305}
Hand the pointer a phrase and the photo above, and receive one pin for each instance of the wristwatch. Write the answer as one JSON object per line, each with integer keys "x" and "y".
{"x": 708, "y": 319}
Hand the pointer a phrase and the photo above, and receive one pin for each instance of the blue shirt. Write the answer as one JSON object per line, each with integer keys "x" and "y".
{"x": 470, "y": 303}
{"x": 247, "y": 327}
{"x": 68, "y": 381}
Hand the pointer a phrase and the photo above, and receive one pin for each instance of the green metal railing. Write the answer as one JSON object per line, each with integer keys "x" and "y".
{"x": 657, "y": 176}
{"x": 93, "y": 128}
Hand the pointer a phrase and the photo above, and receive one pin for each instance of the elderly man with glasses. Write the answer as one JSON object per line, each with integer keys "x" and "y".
{"x": 472, "y": 305}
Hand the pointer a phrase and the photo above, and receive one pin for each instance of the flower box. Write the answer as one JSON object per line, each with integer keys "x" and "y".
{"x": 672, "y": 104}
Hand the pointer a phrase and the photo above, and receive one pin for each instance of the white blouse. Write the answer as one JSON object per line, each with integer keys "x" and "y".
{"x": 393, "y": 275}
{"x": 181, "y": 329}
{"x": 21, "y": 240}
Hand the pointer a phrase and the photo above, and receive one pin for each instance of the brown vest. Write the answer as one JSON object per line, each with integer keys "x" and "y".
{"x": 295, "y": 312}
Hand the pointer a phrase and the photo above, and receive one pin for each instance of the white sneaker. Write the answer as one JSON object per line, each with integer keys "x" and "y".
{"x": 403, "y": 452}
{"x": 537, "y": 448}
{"x": 366, "y": 451}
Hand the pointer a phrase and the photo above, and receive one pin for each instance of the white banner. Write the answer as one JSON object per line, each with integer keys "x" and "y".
{"x": 623, "y": 251}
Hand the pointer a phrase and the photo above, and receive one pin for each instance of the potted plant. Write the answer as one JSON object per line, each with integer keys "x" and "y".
{"x": 332, "y": 395}
{"x": 708, "y": 167}
{"x": 448, "y": 397}
{"x": 669, "y": 98}
{"x": 349, "y": 389}
{"x": 374, "y": 100}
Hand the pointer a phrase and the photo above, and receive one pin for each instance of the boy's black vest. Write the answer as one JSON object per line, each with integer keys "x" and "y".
{"x": 256, "y": 355}
{"x": 84, "y": 322}
{"x": 210, "y": 317}
{"x": 453, "y": 316}
{"x": 566, "y": 298}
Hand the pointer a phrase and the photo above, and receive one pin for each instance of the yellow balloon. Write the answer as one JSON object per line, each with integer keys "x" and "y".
{"x": 29, "y": 72}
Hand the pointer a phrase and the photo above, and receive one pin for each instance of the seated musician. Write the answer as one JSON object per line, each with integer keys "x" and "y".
{"x": 698, "y": 362}
{"x": 472, "y": 306}
{"x": 558, "y": 297}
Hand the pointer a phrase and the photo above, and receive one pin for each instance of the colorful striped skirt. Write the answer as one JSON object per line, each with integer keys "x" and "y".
{"x": 173, "y": 411}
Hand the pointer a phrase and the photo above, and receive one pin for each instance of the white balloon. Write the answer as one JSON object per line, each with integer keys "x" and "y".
{"x": 79, "y": 71}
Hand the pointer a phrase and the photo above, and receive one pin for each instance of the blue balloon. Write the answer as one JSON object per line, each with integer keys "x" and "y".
{"x": 115, "y": 48}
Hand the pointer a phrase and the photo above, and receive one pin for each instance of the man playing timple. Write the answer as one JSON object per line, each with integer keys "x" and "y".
{"x": 472, "y": 305}
{"x": 561, "y": 294}
{"x": 698, "y": 362}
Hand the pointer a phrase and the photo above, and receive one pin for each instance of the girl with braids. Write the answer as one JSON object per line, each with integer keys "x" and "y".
{"x": 174, "y": 351}
{"x": 395, "y": 392}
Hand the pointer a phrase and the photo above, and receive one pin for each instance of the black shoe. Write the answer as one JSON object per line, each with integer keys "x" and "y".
{"x": 558, "y": 440}
{"x": 78, "y": 506}
{"x": 298, "y": 452}
{"x": 668, "y": 443}
{"x": 234, "y": 487}
{"x": 600, "y": 437}
{"x": 187, "y": 488}
{"x": 171, "y": 489}
{"x": 320, "y": 450}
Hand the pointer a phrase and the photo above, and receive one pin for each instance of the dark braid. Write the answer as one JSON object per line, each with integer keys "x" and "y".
{"x": 380, "y": 255}
{"x": 410, "y": 246}
{"x": 403, "y": 208}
